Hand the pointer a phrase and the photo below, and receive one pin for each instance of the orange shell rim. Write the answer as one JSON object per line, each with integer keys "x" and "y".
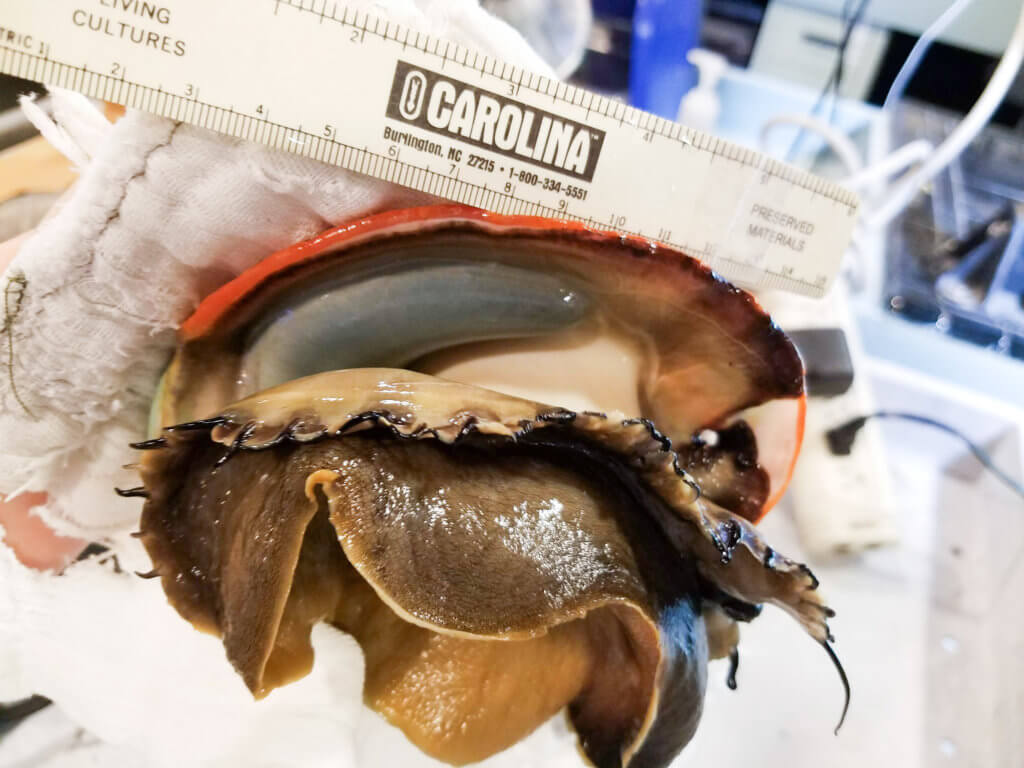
{"x": 218, "y": 303}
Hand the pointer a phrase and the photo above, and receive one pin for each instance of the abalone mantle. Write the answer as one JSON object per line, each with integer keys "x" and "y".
{"x": 393, "y": 288}
{"x": 497, "y": 559}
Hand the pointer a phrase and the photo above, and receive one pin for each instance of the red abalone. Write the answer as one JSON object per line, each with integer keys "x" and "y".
{"x": 497, "y": 558}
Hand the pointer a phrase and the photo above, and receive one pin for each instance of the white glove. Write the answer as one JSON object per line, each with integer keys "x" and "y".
{"x": 162, "y": 215}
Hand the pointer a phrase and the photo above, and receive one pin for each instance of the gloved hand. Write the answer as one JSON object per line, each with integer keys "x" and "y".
{"x": 163, "y": 214}
{"x": 34, "y": 543}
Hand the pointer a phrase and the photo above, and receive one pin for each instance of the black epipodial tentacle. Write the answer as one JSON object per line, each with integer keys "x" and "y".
{"x": 734, "y": 665}
{"x": 148, "y": 445}
{"x": 132, "y": 493}
{"x": 188, "y": 426}
{"x": 842, "y": 676}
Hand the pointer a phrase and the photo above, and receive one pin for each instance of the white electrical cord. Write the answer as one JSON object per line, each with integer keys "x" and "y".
{"x": 998, "y": 86}
{"x": 837, "y": 141}
{"x": 906, "y": 190}
{"x": 916, "y": 55}
{"x": 860, "y": 177}
{"x": 935, "y": 159}
{"x": 893, "y": 163}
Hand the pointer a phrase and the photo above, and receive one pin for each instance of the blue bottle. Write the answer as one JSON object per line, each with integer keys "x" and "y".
{"x": 659, "y": 74}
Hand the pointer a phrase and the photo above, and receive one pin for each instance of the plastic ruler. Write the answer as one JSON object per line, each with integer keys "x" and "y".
{"x": 331, "y": 82}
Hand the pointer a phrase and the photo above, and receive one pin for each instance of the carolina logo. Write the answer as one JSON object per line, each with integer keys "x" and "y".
{"x": 442, "y": 105}
{"x": 411, "y": 101}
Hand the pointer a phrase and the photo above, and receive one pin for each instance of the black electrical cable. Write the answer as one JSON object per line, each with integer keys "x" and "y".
{"x": 840, "y": 69}
{"x": 840, "y": 441}
{"x": 13, "y": 713}
{"x": 850, "y": 18}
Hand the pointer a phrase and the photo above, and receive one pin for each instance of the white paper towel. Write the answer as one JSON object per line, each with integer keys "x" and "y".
{"x": 163, "y": 214}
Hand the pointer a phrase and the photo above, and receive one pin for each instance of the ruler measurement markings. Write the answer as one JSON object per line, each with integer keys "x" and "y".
{"x": 141, "y": 96}
{"x": 106, "y": 87}
{"x": 569, "y": 94}
{"x": 132, "y": 95}
{"x": 244, "y": 126}
{"x": 216, "y": 115}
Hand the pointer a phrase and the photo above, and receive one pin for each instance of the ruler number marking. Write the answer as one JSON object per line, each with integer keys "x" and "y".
{"x": 102, "y": 84}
